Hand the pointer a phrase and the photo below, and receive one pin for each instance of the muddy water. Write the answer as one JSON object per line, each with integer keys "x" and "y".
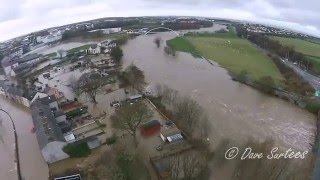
{"x": 33, "y": 166}
{"x": 236, "y": 111}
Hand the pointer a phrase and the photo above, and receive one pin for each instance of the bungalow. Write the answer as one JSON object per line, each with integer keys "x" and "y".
{"x": 94, "y": 49}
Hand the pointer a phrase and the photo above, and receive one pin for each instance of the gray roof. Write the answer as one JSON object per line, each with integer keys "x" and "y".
{"x": 58, "y": 113}
{"x": 22, "y": 69}
{"x": 45, "y": 124}
{"x": 8, "y": 61}
{"x": 14, "y": 90}
{"x": 48, "y": 99}
{"x": 93, "y": 46}
{"x": 29, "y": 58}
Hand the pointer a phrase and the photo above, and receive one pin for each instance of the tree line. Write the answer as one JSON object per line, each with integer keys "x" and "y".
{"x": 273, "y": 46}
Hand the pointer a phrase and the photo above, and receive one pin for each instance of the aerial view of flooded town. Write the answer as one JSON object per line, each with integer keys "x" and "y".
{"x": 158, "y": 97}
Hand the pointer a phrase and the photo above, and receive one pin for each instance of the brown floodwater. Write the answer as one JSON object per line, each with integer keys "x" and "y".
{"x": 236, "y": 111}
{"x": 32, "y": 164}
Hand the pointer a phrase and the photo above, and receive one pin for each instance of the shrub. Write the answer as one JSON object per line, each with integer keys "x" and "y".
{"x": 111, "y": 140}
{"x": 313, "y": 107}
{"x": 77, "y": 150}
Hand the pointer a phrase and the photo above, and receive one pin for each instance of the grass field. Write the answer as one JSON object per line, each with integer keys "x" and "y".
{"x": 54, "y": 54}
{"x": 231, "y": 52}
{"x": 305, "y": 47}
{"x": 73, "y": 50}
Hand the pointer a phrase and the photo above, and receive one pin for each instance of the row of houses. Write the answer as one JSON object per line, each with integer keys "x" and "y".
{"x": 57, "y": 120}
{"x": 14, "y": 66}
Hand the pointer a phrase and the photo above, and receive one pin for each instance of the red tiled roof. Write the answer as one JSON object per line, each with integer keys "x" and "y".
{"x": 71, "y": 105}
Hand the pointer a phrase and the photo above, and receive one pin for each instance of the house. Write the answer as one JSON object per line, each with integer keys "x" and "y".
{"x": 171, "y": 134}
{"x": 57, "y": 94}
{"x": 150, "y": 128}
{"x": 111, "y": 30}
{"x": 16, "y": 93}
{"x": 4, "y": 85}
{"x": 21, "y": 70}
{"x": 30, "y": 59}
{"x": 108, "y": 44}
{"x": 50, "y": 137}
{"x": 51, "y": 101}
{"x": 8, "y": 63}
{"x": 70, "y": 106}
{"x": 94, "y": 49}
{"x": 16, "y": 52}
{"x": 60, "y": 116}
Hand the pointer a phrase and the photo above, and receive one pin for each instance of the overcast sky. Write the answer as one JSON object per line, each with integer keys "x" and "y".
{"x": 18, "y": 17}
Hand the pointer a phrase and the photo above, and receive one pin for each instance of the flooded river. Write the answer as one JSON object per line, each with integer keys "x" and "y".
{"x": 236, "y": 111}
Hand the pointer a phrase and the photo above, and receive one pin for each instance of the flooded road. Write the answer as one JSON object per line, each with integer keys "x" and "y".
{"x": 236, "y": 111}
{"x": 32, "y": 164}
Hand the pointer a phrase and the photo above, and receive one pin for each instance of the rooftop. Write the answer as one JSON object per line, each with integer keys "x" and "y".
{"x": 45, "y": 124}
{"x": 170, "y": 131}
{"x": 29, "y": 58}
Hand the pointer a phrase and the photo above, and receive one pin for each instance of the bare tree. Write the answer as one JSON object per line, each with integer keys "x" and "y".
{"x": 90, "y": 84}
{"x": 175, "y": 166}
{"x": 132, "y": 77}
{"x": 157, "y": 41}
{"x": 73, "y": 83}
{"x": 188, "y": 165}
{"x": 187, "y": 113}
{"x": 129, "y": 117}
{"x": 169, "y": 96}
{"x": 61, "y": 52}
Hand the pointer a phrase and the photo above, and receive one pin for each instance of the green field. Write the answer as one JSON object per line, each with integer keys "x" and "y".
{"x": 303, "y": 46}
{"x": 310, "y": 48}
{"x": 231, "y": 52}
{"x": 73, "y": 50}
{"x": 54, "y": 54}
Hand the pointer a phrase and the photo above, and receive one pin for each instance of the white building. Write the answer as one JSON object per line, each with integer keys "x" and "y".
{"x": 111, "y": 30}
{"x": 94, "y": 49}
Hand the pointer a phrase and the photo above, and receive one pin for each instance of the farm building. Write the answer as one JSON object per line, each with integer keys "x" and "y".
{"x": 150, "y": 128}
{"x": 171, "y": 134}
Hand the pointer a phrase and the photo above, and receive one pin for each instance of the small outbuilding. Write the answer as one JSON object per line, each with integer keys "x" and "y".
{"x": 171, "y": 134}
{"x": 150, "y": 128}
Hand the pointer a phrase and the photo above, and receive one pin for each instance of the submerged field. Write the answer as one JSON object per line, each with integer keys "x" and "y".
{"x": 231, "y": 52}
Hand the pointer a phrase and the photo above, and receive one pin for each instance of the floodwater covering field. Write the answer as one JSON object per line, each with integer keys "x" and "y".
{"x": 236, "y": 111}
